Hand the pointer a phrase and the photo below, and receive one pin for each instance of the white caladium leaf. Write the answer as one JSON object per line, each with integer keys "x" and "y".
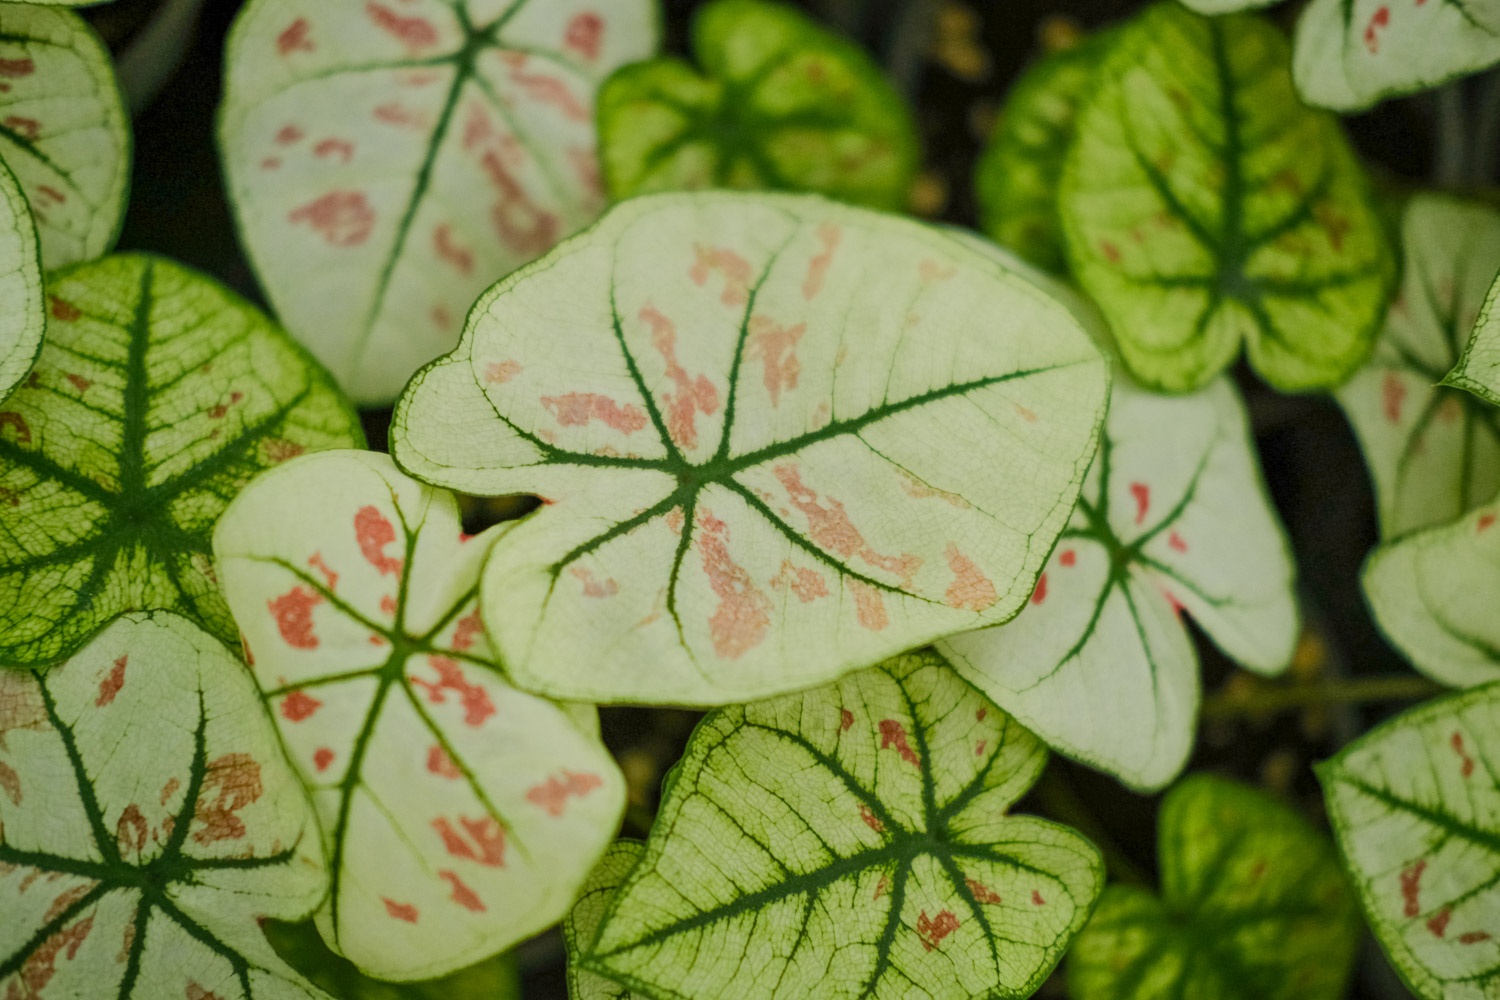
{"x": 158, "y": 395}
{"x": 147, "y": 819}
{"x": 388, "y": 161}
{"x": 852, "y": 841}
{"x": 1478, "y": 368}
{"x": 460, "y": 814}
{"x": 765, "y": 475}
{"x": 1415, "y": 805}
{"x": 1206, "y": 207}
{"x": 1173, "y": 516}
{"x": 64, "y": 130}
{"x": 582, "y": 923}
{"x": 23, "y": 318}
{"x": 1253, "y": 906}
{"x": 1226, "y": 6}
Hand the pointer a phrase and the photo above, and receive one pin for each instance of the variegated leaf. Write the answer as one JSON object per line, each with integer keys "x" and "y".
{"x": 23, "y": 318}
{"x": 582, "y": 923}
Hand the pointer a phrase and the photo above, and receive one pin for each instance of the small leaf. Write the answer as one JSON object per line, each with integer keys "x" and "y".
{"x": 1433, "y": 452}
{"x": 1253, "y": 906}
{"x": 63, "y": 130}
{"x": 23, "y": 319}
{"x": 581, "y": 925}
{"x": 852, "y": 841}
{"x": 301, "y": 946}
{"x": 1204, "y": 206}
{"x": 388, "y": 160}
{"x": 1414, "y": 805}
{"x": 1173, "y": 517}
{"x": 149, "y": 820}
{"x": 782, "y": 104}
{"x": 1478, "y": 369}
{"x": 460, "y": 814}
{"x": 158, "y": 395}
{"x": 764, "y": 475}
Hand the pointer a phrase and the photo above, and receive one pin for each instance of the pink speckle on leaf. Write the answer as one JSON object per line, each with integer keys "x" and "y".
{"x": 342, "y": 148}
{"x": 979, "y": 747}
{"x": 475, "y": 701}
{"x": 545, "y": 88}
{"x": 740, "y": 622}
{"x": 775, "y": 347}
{"x": 830, "y": 527}
{"x": 448, "y": 249}
{"x": 576, "y": 409}
{"x": 278, "y": 450}
{"x": 1040, "y": 593}
{"x": 294, "y": 38}
{"x": 829, "y": 235}
{"x": 299, "y": 706}
{"x": 317, "y": 563}
{"x": 440, "y": 764}
{"x": 1068, "y": 557}
{"x": 322, "y": 757}
{"x": 805, "y": 582}
{"x": 1175, "y": 542}
{"x": 18, "y": 424}
{"x": 1378, "y": 21}
{"x": 593, "y": 587}
{"x": 342, "y": 218}
{"x": 1438, "y": 924}
{"x": 1485, "y": 520}
{"x": 374, "y": 532}
{"x": 584, "y": 34}
{"x": 388, "y": 604}
{"x": 231, "y": 783}
{"x": 462, "y": 894}
{"x": 521, "y": 223}
{"x": 497, "y": 372}
{"x": 1142, "y": 494}
{"x": 869, "y": 606}
{"x": 413, "y": 32}
{"x": 1457, "y": 743}
{"x": 982, "y": 892}
{"x": 1392, "y": 393}
{"x": 1410, "y": 878}
{"x": 871, "y": 820}
{"x": 893, "y": 735}
{"x": 553, "y": 794}
{"x": 693, "y": 395}
{"x": 931, "y": 931}
{"x": 468, "y": 628}
{"x": 970, "y": 590}
{"x": 1036, "y": 898}
{"x": 15, "y": 68}
{"x": 26, "y": 128}
{"x": 289, "y": 135}
{"x": 293, "y": 614}
{"x": 1474, "y": 937}
{"x": 10, "y": 782}
{"x": 488, "y": 840}
{"x": 735, "y": 269}
{"x": 401, "y": 911}
{"x": 846, "y": 719}
{"x": 65, "y": 311}
{"x": 110, "y": 686}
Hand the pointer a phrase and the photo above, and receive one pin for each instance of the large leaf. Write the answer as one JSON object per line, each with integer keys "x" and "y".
{"x": 149, "y": 819}
{"x": 1253, "y": 906}
{"x": 1415, "y": 805}
{"x": 780, "y": 439}
{"x": 1205, "y": 206}
{"x": 157, "y": 396}
{"x": 23, "y": 317}
{"x": 63, "y": 130}
{"x": 389, "y": 160}
{"x": 781, "y": 104}
{"x": 582, "y": 923}
{"x": 1173, "y": 516}
{"x": 853, "y": 841}
{"x": 461, "y": 815}
{"x": 1478, "y": 368}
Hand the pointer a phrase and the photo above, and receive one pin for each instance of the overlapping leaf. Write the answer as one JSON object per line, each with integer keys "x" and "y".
{"x": 390, "y": 160}
{"x": 158, "y": 394}
{"x": 303, "y": 948}
{"x": 1478, "y": 368}
{"x": 807, "y": 437}
{"x": 64, "y": 131}
{"x": 582, "y": 923}
{"x": 1415, "y": 805}
{"x": 149, "y": 819}
{"x": 781, "y": 104}
{"x": 23, "y": 318}
{"x": 1253, "y": 906}
{"x": 852, "y": 841}
{"x": 460, "y": 814}
{"x": 1204, "y": 207}
{"x": 1173, "y": 516}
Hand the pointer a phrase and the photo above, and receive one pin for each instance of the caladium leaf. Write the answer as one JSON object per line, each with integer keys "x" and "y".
{"x": 1225, "y": 6}
{"x": 460, "y": 814}
{"x": 158, "y": 394}
{"x": 765, "y": 475}
{"x": 1478, "y": 368}
{"x": 1253, "y": 906}
{"x": 1173, "y": 516}
{"x": 389, "y": 161}
{"x": 1205, "y": 206}
{"x": 781, "y": 104}
{"x": 64, "y": 130}
{"x": 304, "y": 949}
{"x": 1433, "y": 452}
{"x": 23, "y": 317}
{"x": 851, "y": 841}
{"x": 1414, "y": 805}
{"x": 582, "y": 923}
{"x": 148, "y": 820}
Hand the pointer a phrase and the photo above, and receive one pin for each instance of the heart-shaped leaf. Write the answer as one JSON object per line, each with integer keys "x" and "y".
{"x": 64, "y": 130}
{"x": 1173, "y": 516}
{"x": 148, "y": 819}
{"x": 1478, "y": 368}
{"x": 23, "y": 318}
{"x": 582, "y": 923}
{"x": 389, "y": 160}
{"x": 757, "y": 419}
{"x": 1204, "y": 206}
{"x": 1415, "y": 805}
{"x": 1253, "y": 906}
{"x": 460, "y": 814}
{"x": 781, "y": 104}
{"x": 303, "y": 948}
{"x": 158, "y": 395}
{"x": 1433, "y": 452}
{"x": 852, "y": 841}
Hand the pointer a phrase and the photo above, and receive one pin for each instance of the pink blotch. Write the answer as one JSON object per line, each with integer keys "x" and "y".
{"x": 269, "y": 163}
{"x": 553, "y": 794}
{"x": 475, "y": 701}
{"x": 982, "y": 892}
{"x": 871, "y": 820}
{"x": 775, "y": 347}
{"x": 18, "y": 423}
{"x": 1378, "y": 21}
{"x": 10, "y": 781}
{"x": 1392, "y": 394}
{"x": 294, "y": 38}
{"x": 413, "y": 32}
{"x": 830, "y": 527}
{"x": 1485, "y": 520}
{"x": 317, "y": 563}
{"x": 278, "y": 450}
{"x": 979, "y": 747}
{"x": 980, "y": 714}
{"x": 487, "y": 836}
{"x": 15, "y": 68}
{"x": 740, "y": 622}
{"x": 803, "y": 581}
{"x": 440, "y": 764}
{"x": 27, "y": 128}
{"x": 401, "y": 911}
{"x": 817, "y": 269}
{"x": 931, "y": 931}
{"x": 1142, "y": 494}
{"x": 441, "y": 317}
{"x": 290, "y": 135}
{"x": 299, "y": 706}
{"x": 293, "y": 614}
{"x": 545, "y": 88}
{"x": 893, "y": 734}
{"x": 521, "y": 223}
{"x": 497, "y": 372}
{"x": 342, "y": 218}
{"x": 1457, "y": 743}
{"x": 462, "y": 894}
{"x": 231, "y": 783}
{"x": 1473, "y": 937}
{"x": 1438, "y": 924}
{"x": 1036, "y": 898}
{"x": 322, "y": 757}
{"x": 448, "y": 250}
{"x": 584, "y": 34}
{"x": 1068, "y": 557}
{"x": 52, "y": 194}
{"x": 970, "y": 590}
{"x": 388, "y": 604}
{"x": 1174, "y": 540}
{"x": 130, "y": 832}
{"x": 395, "y": 114}
{"x": 373, "y": 533}
{"x": 846, "y": 719}
{"x": 65, "y": 311}
{"x": 592, "y": 587}
{"x": 342, "y": 148}
{"x": 111, "y": 684}
{"x": 882, "y": 887}
{"x": 1410, "y": 878}
{"x": 576, "y": 409}
{"x": 734, "y": 268}
{"x": 1172, "y": 600}
{"x": 468, "y": 629}
{"x": 692, "y": 396}
{"x": 869, "y": 606}
{"x": 1026, "y": 414}
{"x": 1040, "y": 593}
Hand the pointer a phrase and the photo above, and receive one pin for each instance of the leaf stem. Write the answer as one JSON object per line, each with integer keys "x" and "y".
{"x": 1234, "y": 701}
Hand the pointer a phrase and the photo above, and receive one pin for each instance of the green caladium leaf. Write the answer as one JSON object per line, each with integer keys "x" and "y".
{"x": 158, "y": 395}
{"x": 765, "y": 476}
{"x": 303, "y": 948}
{"x": 1253, "y": 906}
{"x": 582, "y": 923}
{"x": 64, "y": 130}
{"x": 388, "y": 161}
{"x": 23, "y": 317}
{"x": 1414, "y": 805}
{"x": 1433, "y": 452}
{"x": 1204, "y": 206}
{"x": 148, "y": 820}
{"x": 460, "y": 814}
{"x": 1173, "y": 516}
{"x": 851, "y": 841}
{"x": 781, "y": 104}
{"x": 1478, "y": 368}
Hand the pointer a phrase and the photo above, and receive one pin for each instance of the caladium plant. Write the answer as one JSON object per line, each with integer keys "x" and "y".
{"x": 22, "y": 315}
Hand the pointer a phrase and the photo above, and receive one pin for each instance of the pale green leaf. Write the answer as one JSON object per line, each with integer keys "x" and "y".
{"x": 65, "y": 132}
{"x": 1415, "y": 805}
{"x": 780, "y": 439}
{"x": 1173, "y": 516}
{"x": 1433, "y": 452}
{"x": 158, "y": 395}
{"x": 461, "y": 815}
{"x": 781, "y": 104}
{"x": 852, "y": 841}
{"x": 1205, "y": 207}
{"x": 389, "y": 160}
{"x": 1253, "y": 906}
{"x": 149, "y": 820}
{"x": 582, "y": 923}
{"x": 23, "y": 317}
{"x": 1478, "y": 368}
